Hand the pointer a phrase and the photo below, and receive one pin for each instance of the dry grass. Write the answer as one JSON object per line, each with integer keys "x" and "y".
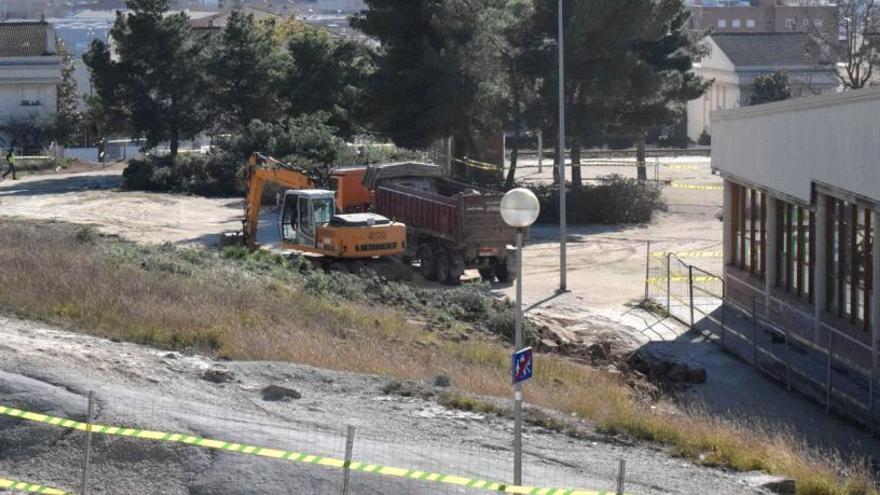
{"x": 191, "y": 299}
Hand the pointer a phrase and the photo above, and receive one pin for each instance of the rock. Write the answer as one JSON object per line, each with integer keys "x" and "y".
{"x": 773, "y": 484}
{"x": 442, "y": 381}
{"x": 678, "y": 373}
{"x": 697, "y": 376}
{"x": 171, "y": 355}
{"x": 660, "y": 363}
{"x": 218, "y": 375}
{"x": 279, "y": 393}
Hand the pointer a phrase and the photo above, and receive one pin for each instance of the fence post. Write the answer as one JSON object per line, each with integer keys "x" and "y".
{"x": 349, "y": 448}
{"x": 755, "y": 332}
{"x": 84, "y": 487}
{"x": 621, "y": 477}
{"x": 669, "y": 284}
{"x": 648, "y": 272}
{"x": 723, "y": 314}
{"x": 828, "y": 385}
{"x": 787, "y": 360}
{"x": 691, "y": 292}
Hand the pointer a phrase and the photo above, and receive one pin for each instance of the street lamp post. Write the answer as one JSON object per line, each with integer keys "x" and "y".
{"x": 563, "y": 228}
{"x": 519, "y": 209}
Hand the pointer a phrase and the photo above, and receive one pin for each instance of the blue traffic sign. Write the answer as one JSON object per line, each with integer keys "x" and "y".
{"x": 522, "y": 365}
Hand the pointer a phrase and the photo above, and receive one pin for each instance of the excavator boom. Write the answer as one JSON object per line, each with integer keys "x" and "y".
{"x": 260, "y": 170}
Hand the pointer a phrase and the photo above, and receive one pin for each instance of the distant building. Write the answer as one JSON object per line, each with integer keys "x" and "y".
{"x": 802, "y": 219}
{"x": 736, "y": 59}
{"x": 30, "y": 70}
{"x": 763, "y": 16}
{"x": 306, "y": 7}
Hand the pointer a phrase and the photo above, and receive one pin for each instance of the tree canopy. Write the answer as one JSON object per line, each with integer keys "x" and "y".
{"x": 770, "y": 87}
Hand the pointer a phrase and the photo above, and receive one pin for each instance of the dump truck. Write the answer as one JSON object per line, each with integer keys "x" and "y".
{"x": 309, "y": 222}
{"x": 450, "y": 226}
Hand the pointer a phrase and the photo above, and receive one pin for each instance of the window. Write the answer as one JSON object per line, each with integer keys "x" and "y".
{"x": 790, "y": 23}
{"x": 735, "y": 23}
{"x": 749, "y": 228}
{"x": 850, "y": 261}
{"x": 817, "y": 22}
{"x": 795, "y": 234}
{"x": 722, "y": 23}
{"x": 750, "y": 23}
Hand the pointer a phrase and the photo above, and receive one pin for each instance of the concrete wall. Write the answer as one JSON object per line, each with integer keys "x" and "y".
{"x": 786, "y": 146}
{"x": 31, "y": 79}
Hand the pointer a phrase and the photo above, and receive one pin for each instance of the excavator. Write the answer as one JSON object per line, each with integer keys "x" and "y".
{"x": 308, "y": 222}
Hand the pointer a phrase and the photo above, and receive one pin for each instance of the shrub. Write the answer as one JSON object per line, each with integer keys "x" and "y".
{"x": 705, "y": 139}
{"x": 212, "y": 175}
{"x": 614, "y": 200}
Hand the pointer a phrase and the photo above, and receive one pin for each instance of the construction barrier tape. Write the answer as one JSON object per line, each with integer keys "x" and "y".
{"x": 683, "y": 278}
{"x": 23, "y": 486}
{"x": 699, "y": 187}
{"x": 480, "y": 165}
{"x": 290, "y": 456}
{"x": 689, "y": 254}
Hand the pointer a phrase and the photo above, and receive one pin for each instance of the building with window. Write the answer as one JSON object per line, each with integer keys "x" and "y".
{"x": 735, "y": 60}
{"x": 30, "y": 70}
{"x": 802, "y": 215}
{"x": 762, "y": 16}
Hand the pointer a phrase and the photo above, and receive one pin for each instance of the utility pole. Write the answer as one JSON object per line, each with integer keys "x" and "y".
{"x": 563, "y": 233}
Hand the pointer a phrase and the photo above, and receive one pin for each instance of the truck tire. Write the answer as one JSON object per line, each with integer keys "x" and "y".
{"x": 443, "y": 265}
{"x": 505, "y": 270}
{"x": 428, "y": 266}
{"x": 487, "y": 274}
{"x": 456, "y": 268}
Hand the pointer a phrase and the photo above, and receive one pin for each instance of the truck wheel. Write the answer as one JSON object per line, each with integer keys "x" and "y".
{"x": 487, "y": 274}
{"x": 456, "y": 268}
{"x": 443, "y": 265}
{"x": 505, "y": 271}
{"x": 428, "y": 266}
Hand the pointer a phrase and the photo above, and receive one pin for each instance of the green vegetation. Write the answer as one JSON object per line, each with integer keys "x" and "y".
{"x": 613, "y": 200}
{"x": 260, "y": 306}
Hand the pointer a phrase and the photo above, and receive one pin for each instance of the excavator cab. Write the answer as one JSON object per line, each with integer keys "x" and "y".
{"x": 302, "y": 213}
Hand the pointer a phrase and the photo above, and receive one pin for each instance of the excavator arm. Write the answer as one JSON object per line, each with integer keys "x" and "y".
{"x": 260, "y": 170}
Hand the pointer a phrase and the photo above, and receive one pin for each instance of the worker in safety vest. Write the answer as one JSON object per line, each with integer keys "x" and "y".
{"x": 10, "y": 159}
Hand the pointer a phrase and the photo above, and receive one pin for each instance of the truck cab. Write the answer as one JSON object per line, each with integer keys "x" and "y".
{"x": 308, "y": 222}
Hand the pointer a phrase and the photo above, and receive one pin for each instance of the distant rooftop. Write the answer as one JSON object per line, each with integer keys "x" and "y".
{"x": 766, "y": 49}
{"x": 24, "y": 39}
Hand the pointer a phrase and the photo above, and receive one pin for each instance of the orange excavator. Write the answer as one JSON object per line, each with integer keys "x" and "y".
{"x": 308, "y": 222}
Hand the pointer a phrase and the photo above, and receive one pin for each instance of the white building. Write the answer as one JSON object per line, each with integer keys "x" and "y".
{"x": 29, "y": 70}
{"x": 802, "y": 216}
{"x": 736, "y": 59}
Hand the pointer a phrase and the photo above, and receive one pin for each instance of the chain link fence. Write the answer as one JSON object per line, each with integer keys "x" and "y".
{"x": 836, "y": 372}
{"x": 107, "y": 452}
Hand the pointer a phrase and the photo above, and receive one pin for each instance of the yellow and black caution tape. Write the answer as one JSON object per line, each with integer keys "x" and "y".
{"x": 689, "y": 254}
{"x": 699, "y": 187}
{"x": 298, "y": 457}
{"x": 680, "y": 166}
{"x": 478, "y": 164}
{"x": 25, "y": 487}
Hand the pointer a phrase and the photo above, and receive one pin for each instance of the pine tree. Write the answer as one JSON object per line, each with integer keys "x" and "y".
{"x": 245, "y": 74}
{"x": 158, "y": 77}
{"x": 68, "y": 115}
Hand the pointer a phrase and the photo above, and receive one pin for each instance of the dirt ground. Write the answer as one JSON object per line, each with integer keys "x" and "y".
{"x": 606, "y": 269}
